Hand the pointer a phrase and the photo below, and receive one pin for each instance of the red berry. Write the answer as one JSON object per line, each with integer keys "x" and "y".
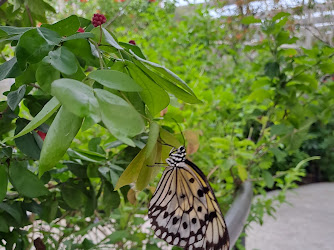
{"x": 132, "y": 42}
{"x": 41, "y": 134}
{"x": 81, "y": 30}
{"x": 98, "y": 19}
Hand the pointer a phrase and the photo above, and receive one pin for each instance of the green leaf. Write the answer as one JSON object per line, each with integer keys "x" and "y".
{"x": 152, "y": 138}
{"x": 166, "y": 73}
{"x": 120, "y": 118}
{"x": 250, "y": 20}
{"x": 82, "y": 50}
{"x": 280, "y": 129}
{"x": 3, "y": 224}
{"x": 13, "y": 210}
{"x": 268, "y": 178}
{"x": 131, "y": 173}
{"x": 86, "y": 155}
{"x": 115, "y": 80}
{"x": 76, "y": 36}
{"x": 326, "y": 67}
{"x": 40, "y": 118}
{"x": 65, "y": 27}
{"x": 49, "y": 210}
{"x": 15, "y": 97}
{"x": 28, "y": 76}
{"x": 279, "y": 154}
{"x": 152, "y": 94}
{"x": 242, "y": 172}
{"x": 271, "y": 69}
{"x": 73, "y": 196}
{"x": 62, "y": 131}
{"x": 280, "y": 15}
{"x": 9, "y": 69}
{"x": 45, "y": 75}
{"x": 34, "y": 45}
{"x": 134, "y": 48}
{"x": 111, "y": 198}
{"x": 63, "y": 60}
{"x": 12, "y": 30}
{"x": 169, "y": 86}
{"x": 118, "y": 236}
{"x": 28, "y": 144}
{"x": 146, "y": 172}
{"x": 109, "y": 38}
{"x": 307, "y": 79}
{"x": 25, "y": 182}
{"x": 50, "y": 36}
{"x": 77, "y": 97}
{"x": 3, "y": 182}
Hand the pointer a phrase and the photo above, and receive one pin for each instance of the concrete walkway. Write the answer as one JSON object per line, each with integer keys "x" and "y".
{"x": 306, "y": 224}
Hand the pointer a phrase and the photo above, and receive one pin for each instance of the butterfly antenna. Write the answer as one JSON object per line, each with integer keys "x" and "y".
{"x": 184, "y": 141}
{"x": 164, "y": 143}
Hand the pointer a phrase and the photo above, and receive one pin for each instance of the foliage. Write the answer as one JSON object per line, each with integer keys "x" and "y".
{"x": 98, "y": 101}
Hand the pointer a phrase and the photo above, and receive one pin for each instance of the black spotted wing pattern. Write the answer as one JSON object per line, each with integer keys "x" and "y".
{"x": 184, "y": 211}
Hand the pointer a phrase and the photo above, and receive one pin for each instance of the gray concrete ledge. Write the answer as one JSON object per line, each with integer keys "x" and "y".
{"x": 306, "y": 224}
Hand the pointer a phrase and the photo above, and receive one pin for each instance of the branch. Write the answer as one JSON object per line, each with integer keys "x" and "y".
{"x": 316, "y": 36}
{"x": 29, "y": 15}
{"x": 119, "y": 13}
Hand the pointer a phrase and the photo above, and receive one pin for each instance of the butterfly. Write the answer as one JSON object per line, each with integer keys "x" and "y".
{"x": 183, "y": 210}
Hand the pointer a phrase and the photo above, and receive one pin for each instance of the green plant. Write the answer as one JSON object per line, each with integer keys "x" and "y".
{"x": 264, "y": 110}
{"x": 66, "y": 81}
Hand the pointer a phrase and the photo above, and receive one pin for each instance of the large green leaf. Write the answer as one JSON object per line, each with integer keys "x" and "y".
{"x": 77, "y": 97}
{"x": 45, "y": 75}
{"x": 82, "y": 50}
{"x": 3, "y": 182}
{"x": 40, "y": 118}
{"x": 111, "y": 198}
{"x": 34, "y": 45}
{"x": 164, "y": 72}
{"x": 152, "y": 94}
{"x": 3, "y": 224}
{"x": 63, "y": 60}
{"x": 115, "y": 80}
{"x": 62, "y": 131}
{"x": 25, "y": 182}
{"x": 121, "y": 119}
{"x": 110, "y": 39}
{"x": 169, "y": 86}
{"x": 12, "y": 30}
{"x": 13, "y": 210}
{"x": 73, "y": 196}
{"x": 30, "y": 143}
{"x": 65, "y": 27}
{"x": 76, "y": 36}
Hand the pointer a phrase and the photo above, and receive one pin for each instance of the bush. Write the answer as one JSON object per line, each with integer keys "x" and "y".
{"x": 83, "y": 118}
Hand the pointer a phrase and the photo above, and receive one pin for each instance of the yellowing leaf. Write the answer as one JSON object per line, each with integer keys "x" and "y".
{"x": 145, "y": 174}
{"x": 131, "y": 173}
{"x": 242, "y": 172}
{"x": 192, "y": 138}
{"x": 131, "y": 196}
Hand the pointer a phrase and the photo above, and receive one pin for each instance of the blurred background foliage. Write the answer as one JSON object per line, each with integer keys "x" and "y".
{"x": 267, "y": 94}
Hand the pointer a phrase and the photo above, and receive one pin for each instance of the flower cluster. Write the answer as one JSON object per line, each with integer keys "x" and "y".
{"x": 98, "y": 19}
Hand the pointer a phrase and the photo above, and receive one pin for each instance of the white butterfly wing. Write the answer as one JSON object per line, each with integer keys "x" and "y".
{"x": 184, "y": 212}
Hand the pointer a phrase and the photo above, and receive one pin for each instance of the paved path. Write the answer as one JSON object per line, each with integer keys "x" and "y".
{"x": 306, "y": 224}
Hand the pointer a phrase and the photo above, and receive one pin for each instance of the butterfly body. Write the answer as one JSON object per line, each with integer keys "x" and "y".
{"x": 184, "y": 210}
